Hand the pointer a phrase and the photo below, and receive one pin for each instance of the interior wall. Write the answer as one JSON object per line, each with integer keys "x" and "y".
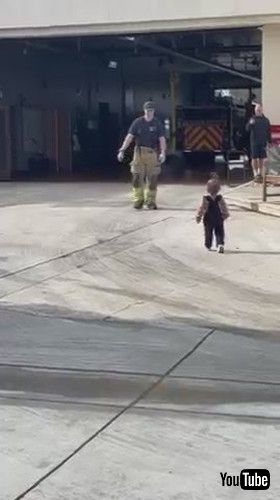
{"x": 149, "y": 80}
{"x": 40, "y": 79}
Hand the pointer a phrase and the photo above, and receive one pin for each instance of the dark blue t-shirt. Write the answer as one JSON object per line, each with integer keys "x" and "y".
{"x": 147, "y": 133}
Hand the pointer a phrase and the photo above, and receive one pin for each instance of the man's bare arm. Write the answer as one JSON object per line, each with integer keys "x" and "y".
{"x": 126, "y": 143}
{"x": 162, "y": 144}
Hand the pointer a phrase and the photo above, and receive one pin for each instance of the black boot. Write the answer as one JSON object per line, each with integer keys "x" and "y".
{"x": 152, "y": 205}
{"x": 138, "y": 204}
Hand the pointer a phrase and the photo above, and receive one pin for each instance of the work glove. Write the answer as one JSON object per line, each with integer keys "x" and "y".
{"x": 120, "y": 156}
{"x": 162, "y": 157}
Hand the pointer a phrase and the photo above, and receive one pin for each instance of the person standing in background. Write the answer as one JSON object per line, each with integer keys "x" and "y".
{"x": 260, "y": 136}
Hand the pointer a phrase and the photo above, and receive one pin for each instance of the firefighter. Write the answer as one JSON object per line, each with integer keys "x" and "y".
{"x": 149, "y": 153}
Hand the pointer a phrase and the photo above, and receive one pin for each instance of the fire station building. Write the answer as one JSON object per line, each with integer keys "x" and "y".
{"x": 74, "y": 74}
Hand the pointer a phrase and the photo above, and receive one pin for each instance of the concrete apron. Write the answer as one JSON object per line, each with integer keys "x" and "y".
{"x": 249, "y": 198}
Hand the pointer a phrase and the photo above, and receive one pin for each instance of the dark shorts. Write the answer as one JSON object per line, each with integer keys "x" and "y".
{"x": 258, "y": 152}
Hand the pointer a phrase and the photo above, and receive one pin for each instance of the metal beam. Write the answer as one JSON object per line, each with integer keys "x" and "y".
{"x": 197, "y": 60}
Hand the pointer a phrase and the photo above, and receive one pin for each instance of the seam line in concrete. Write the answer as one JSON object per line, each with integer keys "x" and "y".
{"x": 83, "y": 371}
{"x": 80, "y": 250}
{"x": 210, "y": 414}
{"x": 142, "y": 408}
{"x": 124, "y": 410}
{"x": 65, "y": 256}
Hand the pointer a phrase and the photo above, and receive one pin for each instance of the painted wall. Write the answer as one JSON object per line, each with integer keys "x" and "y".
{"x": 271, "y": 73}
{"x": 92, "y": 16}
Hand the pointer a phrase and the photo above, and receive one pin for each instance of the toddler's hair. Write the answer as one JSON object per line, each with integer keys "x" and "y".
{"x": 213, "y": 187}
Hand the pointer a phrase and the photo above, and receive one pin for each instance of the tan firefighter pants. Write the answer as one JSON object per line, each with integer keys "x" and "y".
{"x": 145, "y": 170}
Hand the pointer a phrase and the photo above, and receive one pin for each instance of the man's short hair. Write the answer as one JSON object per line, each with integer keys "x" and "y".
{"x": 149, "y": 105}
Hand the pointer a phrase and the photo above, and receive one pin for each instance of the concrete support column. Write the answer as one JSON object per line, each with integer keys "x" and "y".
{"x": 271, "y": 73}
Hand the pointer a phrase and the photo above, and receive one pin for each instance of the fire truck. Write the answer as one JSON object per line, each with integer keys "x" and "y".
{"x": 206, "y": 138}
{"x": 205, "y": 130}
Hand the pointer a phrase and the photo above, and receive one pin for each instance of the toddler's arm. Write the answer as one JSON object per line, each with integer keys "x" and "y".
{"x": 202, "y": 210}
{"x": 224, "y": 208}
